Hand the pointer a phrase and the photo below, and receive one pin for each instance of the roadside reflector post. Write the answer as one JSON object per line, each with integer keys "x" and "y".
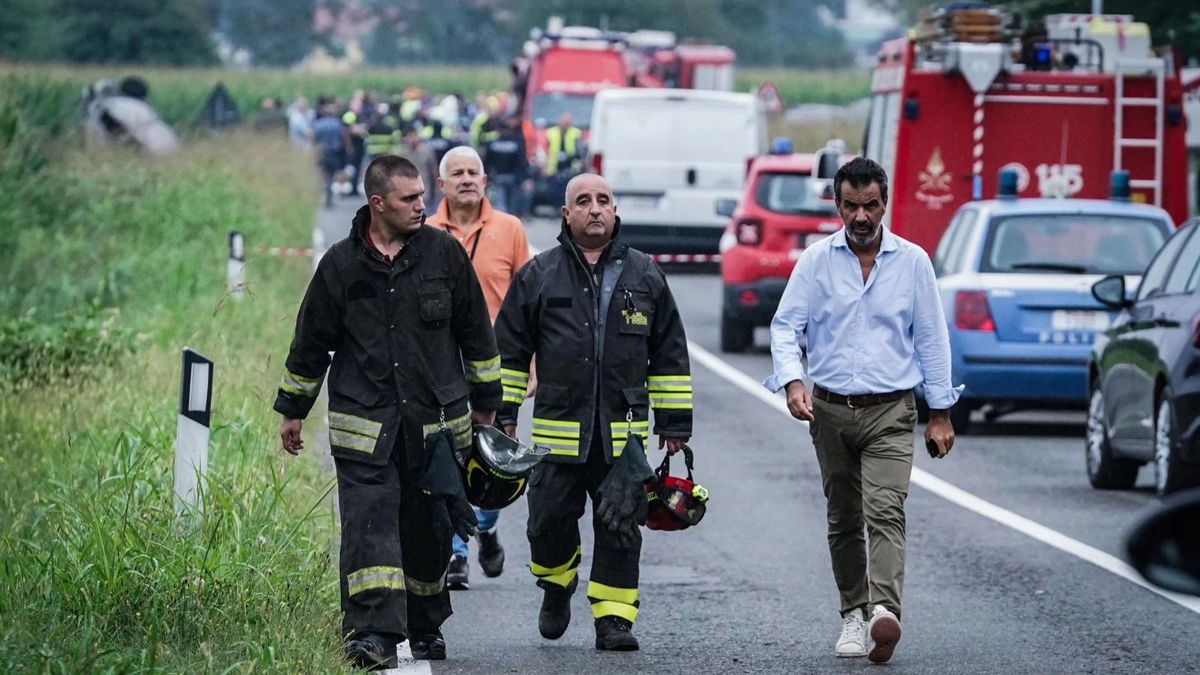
{"x": 236, "y": 269}
{"x": 191, "y": 433}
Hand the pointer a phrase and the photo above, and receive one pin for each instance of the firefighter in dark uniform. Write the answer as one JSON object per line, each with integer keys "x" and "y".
{"x": 610, "y": 345}
{"x": 400, "y": 307}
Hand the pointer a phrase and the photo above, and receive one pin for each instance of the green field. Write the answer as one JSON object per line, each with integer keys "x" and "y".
{"x": 110, "y": 263}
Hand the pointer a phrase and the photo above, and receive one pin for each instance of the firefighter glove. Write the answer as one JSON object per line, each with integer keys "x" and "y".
{"x": 622, "y": 504}
{"x": 442, "y": 482}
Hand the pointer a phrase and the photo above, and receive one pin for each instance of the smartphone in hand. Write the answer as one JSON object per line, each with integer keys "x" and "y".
{"x": 931, "y": 446}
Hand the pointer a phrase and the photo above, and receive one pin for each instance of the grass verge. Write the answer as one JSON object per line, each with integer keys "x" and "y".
{"x": 110, "y": 264}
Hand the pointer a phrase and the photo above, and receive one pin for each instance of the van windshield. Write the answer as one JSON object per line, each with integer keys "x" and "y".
{"x": 547, "y": 108}
{"x": 790, "y": 194}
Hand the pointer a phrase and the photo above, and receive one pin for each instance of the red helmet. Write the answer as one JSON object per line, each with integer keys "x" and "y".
{"x": 674, "y": 503}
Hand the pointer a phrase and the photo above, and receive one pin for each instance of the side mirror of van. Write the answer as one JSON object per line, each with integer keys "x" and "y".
{"x": 822, "y": 188}
{"x": 724, "y": 207}
{"x": 1163, "y": 546}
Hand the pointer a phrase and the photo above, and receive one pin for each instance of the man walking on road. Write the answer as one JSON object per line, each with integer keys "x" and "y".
{"x": 398, "y": 304}
{"x": 604, "y": 325}
{"x": 869, "y": 303}
{"x": 497, "y": 246}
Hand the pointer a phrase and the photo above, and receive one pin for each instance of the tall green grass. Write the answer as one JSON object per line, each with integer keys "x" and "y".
{"x": 796, "y": 86}
{"x": 110, "y": 263}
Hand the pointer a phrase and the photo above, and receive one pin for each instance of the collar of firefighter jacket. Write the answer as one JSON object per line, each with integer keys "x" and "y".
{"x": 358, "y": 231}
{"x": 616, "y": 248}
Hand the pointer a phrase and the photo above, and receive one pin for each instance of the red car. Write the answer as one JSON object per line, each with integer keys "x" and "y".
{"x": 783, "y": 211}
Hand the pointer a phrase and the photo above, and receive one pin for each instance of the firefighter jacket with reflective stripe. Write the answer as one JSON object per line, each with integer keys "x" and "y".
{"x": 609, "y": 343}
{"x": 410, "y": 340}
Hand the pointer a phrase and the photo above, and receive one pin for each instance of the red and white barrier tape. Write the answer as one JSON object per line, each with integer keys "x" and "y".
{"x": 289, "y": 251}
{"x": 686, "y": 257}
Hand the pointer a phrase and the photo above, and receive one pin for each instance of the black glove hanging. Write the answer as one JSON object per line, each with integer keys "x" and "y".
{"x": 622, "y": 505}
{"x": 442, "y": 481}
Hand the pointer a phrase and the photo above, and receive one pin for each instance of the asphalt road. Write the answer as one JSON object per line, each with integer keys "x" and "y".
{"x": 750, "y": 589}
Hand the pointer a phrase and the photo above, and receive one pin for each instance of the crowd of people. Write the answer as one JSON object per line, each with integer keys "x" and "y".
{"x": 346, "y": 135}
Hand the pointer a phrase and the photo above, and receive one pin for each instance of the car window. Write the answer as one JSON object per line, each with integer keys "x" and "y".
{"x": 948, "y": 257}
{"x": 790, "y": 194}
{"x": 1183, "y": 271}
{"x": 1071, "y": 243}
{"x": 1156, "y": 274}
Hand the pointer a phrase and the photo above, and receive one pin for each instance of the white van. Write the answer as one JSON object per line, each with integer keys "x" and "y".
{"x": 669, "y": 154}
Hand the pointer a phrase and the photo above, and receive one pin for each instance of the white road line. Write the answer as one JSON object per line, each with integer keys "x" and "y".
{"x": 957, "y": 495}
{"x": 407, "y": 665}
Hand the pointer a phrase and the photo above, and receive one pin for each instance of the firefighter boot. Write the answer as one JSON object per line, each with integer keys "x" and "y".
{"x": 491, "y": 553}
{"x": 614, "y": 634}
{"x": 556, "y": 609}
{"x": 372, "y": 651}
{"x": 429, "y": 647}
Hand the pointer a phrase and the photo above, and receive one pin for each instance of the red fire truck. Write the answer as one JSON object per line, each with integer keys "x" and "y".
{"x": 655, "y": 59}
{"x": 1064, "y": 104}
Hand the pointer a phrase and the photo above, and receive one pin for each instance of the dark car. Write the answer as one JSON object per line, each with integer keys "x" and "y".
{"x": 1144, "y": 374}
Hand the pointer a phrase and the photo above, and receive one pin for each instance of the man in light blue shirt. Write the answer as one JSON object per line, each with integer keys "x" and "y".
{"x": 868, "y": 301}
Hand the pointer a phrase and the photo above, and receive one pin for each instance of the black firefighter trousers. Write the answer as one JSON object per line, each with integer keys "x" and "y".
{"x": 393, "y": 563}
{"x": 557, "y": 496}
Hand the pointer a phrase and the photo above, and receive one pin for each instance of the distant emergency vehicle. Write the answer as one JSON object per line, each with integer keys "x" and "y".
{"x": 1064, "y": 105}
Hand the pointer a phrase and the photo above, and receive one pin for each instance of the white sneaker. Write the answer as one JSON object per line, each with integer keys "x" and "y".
{"x": 884, "y": 633}
{"x": 853, "y": 641}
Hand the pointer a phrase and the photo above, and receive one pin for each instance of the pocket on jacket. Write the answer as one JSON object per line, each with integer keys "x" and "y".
{"x": 636, "y": 312}
{"x": 361, "y": 435}
{"x": 435, "y": 304}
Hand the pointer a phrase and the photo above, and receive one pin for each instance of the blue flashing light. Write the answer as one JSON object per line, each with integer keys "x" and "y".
{"x": 1008, "y": 184}
{"x": 781, "y": 146}
{"x": 1119, "y": 188}
{"x": 1041, "y": 55}
{"x": 977, "y": 188}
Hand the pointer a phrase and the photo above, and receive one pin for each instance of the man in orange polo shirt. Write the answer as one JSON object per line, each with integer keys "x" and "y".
{"x": 498, "y": 247}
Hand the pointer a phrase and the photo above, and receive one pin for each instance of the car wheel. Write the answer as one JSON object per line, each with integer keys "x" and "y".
{"x": 1171, "y": 474}
{"x": 960, "y": 417}
{"x": 1105, "y": 472}
{"x": 735, "y": 335}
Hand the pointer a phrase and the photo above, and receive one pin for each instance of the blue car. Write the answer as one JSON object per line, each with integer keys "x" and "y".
{"x": 1015, "y": 277}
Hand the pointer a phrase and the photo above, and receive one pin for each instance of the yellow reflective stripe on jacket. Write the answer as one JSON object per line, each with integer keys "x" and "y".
{"x": 484, "y": 371}
{"x": 621, "y": 429}
{"x": 300, "y": 385}
{"x": 370, "y": 578}
{"x": 515, "y": 383}
{"x": 669, "y": 383}
{"x": 560, "y": 574}
{"x": 557, "y": 446}
{"x": 350, "y": 440}
{"x": 354, "y": 424}
{"x": 560, "y": 436}
{"x": 460, "y": 426}
{"x": 424, "y": 588}
{"x": 671, "y": 400}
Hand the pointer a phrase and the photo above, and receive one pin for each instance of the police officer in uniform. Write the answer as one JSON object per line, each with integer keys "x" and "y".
{"x": 400, "y": 307}
{"x": 610, "y": 345}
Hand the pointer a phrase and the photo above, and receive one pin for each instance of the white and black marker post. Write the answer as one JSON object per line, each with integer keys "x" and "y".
{"x": 236, "y": 270}
{"x": 191, "y": 435}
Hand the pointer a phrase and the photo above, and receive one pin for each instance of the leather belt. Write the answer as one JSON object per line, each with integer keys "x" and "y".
{"x": 860, "y": 400}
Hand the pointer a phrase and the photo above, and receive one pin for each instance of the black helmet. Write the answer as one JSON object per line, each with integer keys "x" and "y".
{"x": 496, "y": 468}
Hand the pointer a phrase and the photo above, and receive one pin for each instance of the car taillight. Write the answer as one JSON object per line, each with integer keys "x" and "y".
{"x": 748, "y": 231}
{"x": 971, "y": 312}
{"x": 597, "y": 163}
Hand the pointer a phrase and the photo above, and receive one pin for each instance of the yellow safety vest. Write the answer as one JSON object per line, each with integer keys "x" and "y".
{"x": 555, "y": 145}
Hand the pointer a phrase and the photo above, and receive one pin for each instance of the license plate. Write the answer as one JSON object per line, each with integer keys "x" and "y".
{"x": 1078, "y": 319}
{"x": 637, "y": 202}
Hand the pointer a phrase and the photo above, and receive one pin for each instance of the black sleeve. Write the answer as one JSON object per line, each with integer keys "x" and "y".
{"x": 516, "y": 335}
{"x": 319, "y": 331}
{"x": 669, "y": 378}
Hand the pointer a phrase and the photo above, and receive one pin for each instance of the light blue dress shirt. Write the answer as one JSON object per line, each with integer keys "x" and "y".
{"x": 886, "y": 335}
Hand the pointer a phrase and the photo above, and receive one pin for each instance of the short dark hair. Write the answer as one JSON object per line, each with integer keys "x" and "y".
{"x": 860, "y": 172}
{"x": 383, "y": 169}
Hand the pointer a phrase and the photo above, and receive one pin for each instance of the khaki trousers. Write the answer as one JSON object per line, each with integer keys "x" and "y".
{"x": 866, "y": 461}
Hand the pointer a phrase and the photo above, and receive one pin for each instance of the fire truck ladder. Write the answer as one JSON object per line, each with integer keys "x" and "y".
{"x": 1124, "y": 67}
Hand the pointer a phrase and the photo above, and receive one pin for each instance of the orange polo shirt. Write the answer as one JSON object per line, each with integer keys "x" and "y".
{"x": 503, "y": 248}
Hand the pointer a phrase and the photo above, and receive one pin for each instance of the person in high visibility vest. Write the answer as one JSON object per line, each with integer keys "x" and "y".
{"x": 564, "y": 138}
{"x": 382, "y": 135}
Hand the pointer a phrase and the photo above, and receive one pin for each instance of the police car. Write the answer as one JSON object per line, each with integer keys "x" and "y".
{"x": 1015, "y": 279}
